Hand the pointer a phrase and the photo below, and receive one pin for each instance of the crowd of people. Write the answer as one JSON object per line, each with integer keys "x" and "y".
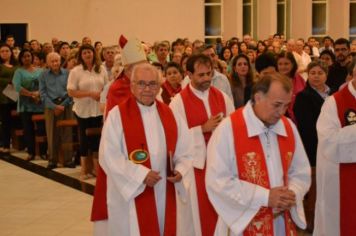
{"x": 238, "y": 128}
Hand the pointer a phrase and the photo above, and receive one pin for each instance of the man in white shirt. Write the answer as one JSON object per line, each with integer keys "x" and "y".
{"x": 145, "y": 152}
{"x": 203, "y": 107}
{"x": 257, "y": 169}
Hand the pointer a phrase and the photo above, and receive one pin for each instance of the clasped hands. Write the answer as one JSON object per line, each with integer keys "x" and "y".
{"x": 153, "y": 177}
{"x": 281, "y": 198}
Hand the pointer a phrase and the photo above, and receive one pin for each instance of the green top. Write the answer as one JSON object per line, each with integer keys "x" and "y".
{"x": 6, "y": 74}
{"x": 28, "y": 80}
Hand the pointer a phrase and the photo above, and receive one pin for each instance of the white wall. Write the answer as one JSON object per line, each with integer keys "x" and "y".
{"x": 105, "y": 20}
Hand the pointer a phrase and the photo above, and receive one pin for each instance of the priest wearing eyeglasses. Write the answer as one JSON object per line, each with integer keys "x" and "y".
{"x": 145, "y": 151}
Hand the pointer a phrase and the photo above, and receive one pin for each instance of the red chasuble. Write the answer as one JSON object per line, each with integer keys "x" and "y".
{"x": 252, "y": 168}
{"x": 119, "y": 91}
{"x": 345, "y": 103}
{"x": 196, "y": 116}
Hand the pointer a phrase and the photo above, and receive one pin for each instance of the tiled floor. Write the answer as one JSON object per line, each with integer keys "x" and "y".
{"x": 34, "y": 205}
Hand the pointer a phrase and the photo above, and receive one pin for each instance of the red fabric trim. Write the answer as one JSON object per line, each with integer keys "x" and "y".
{"x": 135, "y": 138}
{"x": 195, "y": 109}
{"x": 196, "y": 116}
{"x": 122, "y": 41}
{"x": 119, "y": 91}
{"x": 252, "y": 167}
{"x": 347, "y": 171}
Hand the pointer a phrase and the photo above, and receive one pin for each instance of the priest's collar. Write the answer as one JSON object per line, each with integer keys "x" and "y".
{"x": 145, "y": 108}
{"x": 256, "y": 127}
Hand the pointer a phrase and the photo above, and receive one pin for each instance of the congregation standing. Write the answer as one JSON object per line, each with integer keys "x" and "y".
{"x": 245, "y": 139}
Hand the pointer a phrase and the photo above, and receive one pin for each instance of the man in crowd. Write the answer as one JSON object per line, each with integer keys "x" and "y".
{"x": 144, "y": 151}
{"x": 58, "y": 106}
{"x": 10, "y": 40}
{"x": 338, "y": 71}
{"x": 219, "y": 80}
{"x": 203, "y": 107}
{"x": 109, "y": 59}
{"x": 336, "y": 156}
{"x": 257, "y": 169}
{"x": 162, "y": 51}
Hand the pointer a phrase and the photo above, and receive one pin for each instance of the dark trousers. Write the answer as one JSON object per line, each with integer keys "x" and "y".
{"x": 29, "y": 132}
{"x": 56, "y": 136}
{"x": 84, "y": 141}
{"x": 6, "y": 123}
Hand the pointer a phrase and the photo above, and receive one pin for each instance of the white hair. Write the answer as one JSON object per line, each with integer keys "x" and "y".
{"x": 52, "y": 55}
{"x": 146, "y": 66}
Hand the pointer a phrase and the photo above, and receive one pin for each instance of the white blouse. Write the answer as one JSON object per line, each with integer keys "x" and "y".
{"x": 80, "y": 79}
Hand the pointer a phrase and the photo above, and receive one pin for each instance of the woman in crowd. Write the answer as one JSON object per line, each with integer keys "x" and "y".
{"x": 174, "y": 76}
{"x": 225, "y": 54}
{"x": 8, "y": 65}
{"x": 85, "y": 83}
{"x": 243, "y": 48}
{"x": 241, "y": 80}
{"x": 261, "y": 48}
{"x": 287, "y": 65}
{"x": 235, "y": 49}
{"x": 306, "y": 110}
{"x": 26, "y": 82}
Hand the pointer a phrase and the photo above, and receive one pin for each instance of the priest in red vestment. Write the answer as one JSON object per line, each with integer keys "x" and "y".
{"x": 203, "y": 107}
{"x": 132, "y": 53}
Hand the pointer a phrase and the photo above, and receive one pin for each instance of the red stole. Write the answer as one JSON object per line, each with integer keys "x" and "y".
{"x": 196, "y": 115}
{"x": 168, "y": 92}
{"x": 252, "y": 168}
{"x": 195, "y": 110}
{"x": 119, "y": 91}
{"x": 135, "y": 138}
{"x": 345, "y": 101}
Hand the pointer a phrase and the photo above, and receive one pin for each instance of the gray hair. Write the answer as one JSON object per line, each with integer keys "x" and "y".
{"x": 52, "y": 55}
{"x": 146, "y": 66}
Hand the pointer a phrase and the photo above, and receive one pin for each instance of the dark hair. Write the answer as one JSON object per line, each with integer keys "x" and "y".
{"x": 96, "y": 61}
{"x": 221, "y": 55}
{"x": 96, "y": 43}
{"x": 235, "y": 80}
{"x": 320, "y": 64}
{"x": 158, "y": 65}
{"x": 342, "y": 41}
{"x": 62, "y": 44}
{"x": 264, "y": 61}
{"x": 13, "y": 60}
{"x": 263, "y": 43}
{"x": 330, "y": 53}
{"x": 327, "y": 37}
{"x": 175, "y": 65}
{"x": 290, "y": 57}
{"x": 9, "y": 36}
{"x": 198, "y": 59}
{"x": 264, "y": 83}
{"x": 22, "y": 53}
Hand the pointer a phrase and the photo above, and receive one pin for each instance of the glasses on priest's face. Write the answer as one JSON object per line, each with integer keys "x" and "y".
{"x": 151, "y": 85}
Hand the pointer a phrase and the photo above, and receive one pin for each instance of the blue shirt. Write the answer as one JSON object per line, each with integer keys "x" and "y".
{"x": 53, "y": 88}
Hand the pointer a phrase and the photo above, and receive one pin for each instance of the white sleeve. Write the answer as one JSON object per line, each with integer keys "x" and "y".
{"x": 126, "y": 176}
{"x": 72, "y": 83}
{"x": 230, "y": 108}
{"x": 236, "y": 201}
{"x": 336, "y": 143}
{"x": 196, "y": 133}
{"x": 299, "y": 178}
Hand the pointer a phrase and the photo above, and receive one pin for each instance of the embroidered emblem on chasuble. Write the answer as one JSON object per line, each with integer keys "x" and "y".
{"x": 252, "y": 168}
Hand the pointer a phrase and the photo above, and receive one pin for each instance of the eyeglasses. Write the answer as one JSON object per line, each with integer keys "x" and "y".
{"x": 142, "y": 84}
